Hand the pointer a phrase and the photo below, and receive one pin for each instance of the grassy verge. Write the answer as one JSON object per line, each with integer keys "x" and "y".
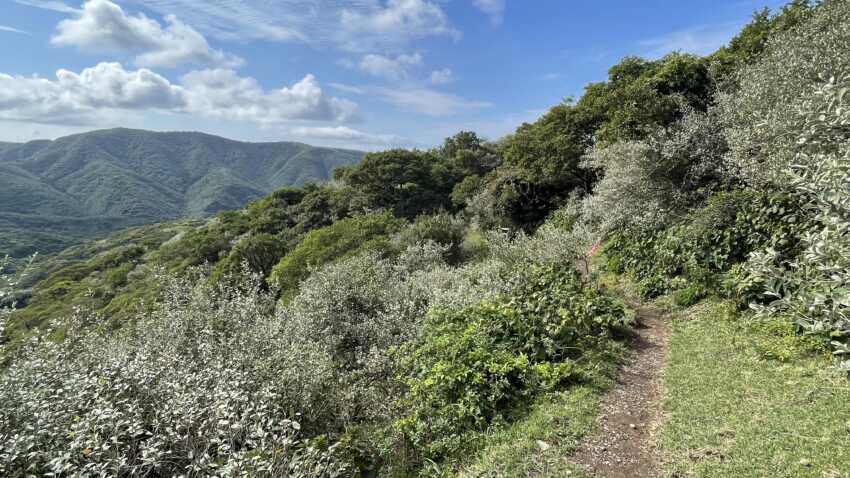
{"x": 540, "y": 444}
{"x": 746, "y": 400}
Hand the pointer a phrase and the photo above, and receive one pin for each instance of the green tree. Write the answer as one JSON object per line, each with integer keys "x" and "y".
{"x": 748, "y": 45}
{"x": 408, "y": 183}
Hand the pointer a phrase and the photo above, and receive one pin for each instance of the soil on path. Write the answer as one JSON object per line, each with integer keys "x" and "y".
{"x": 624, "y": 445}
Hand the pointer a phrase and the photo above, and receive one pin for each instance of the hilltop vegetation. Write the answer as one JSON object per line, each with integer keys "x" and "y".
{"x": 428, "y": 307}
{"x": 58, "y": 193}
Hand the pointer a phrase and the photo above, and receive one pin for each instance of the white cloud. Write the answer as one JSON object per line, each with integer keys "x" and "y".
{"x": 344, "y": 134}
{"x": 392, "y": 25}
{"x": 429, "y": 102}
{"x": 700, "y": 40}
{"x": 276, "y": 20}
{"x": 86, "y": 97}
{"x": 495, "y": 9}
{"x": 441, "y": 77}
{"x": 79, "y": 98}
{"x": 54, "y": 5}
{"x": 355, "y": 90}
{"x": 416, "y": 98}
{"x": 389, "y": 68}
{"x": 361, "y": 26}
{"x": 4, "y": 28}
{"x": 223, "y": 93}
{"x": 103, "y": 25}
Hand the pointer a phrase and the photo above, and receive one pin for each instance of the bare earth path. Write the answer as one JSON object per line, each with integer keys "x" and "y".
{"x": 624, "y": 443}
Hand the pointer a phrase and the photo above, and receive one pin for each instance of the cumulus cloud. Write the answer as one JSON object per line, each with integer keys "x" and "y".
{"x": 103, "y": 25}
{"x": 429, "y": 102}
{"x": 82, "y": 98}
{"x": 389, "y": 68}
{"x": 223, "y": 93}
{"x": 441, "y": 77}
{"x": 495, "y": 9}
{"x": 394, "y": 24}
{"x": 344, "y": 134}
{"x": 78, "y": 98}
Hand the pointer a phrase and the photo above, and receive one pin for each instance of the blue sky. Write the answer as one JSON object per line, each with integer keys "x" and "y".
{"x": 366, "y": 74}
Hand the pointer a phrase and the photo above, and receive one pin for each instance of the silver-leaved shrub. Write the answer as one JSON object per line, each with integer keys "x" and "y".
{"x": 650, "y": 183}
{"x": 761, "y": 111}
{"x": 198, "y": 387}
{"x": 814, "y": 288}
{"x": 221, "y": 380}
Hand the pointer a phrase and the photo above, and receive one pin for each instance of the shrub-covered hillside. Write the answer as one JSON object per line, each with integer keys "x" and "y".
{"x": 406, "y": 318}
{"x": 58, "y": 193}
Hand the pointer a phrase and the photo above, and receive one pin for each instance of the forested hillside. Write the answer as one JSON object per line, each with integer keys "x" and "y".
{"x": 58, "y": 193}
{"x": 459, "y": 311}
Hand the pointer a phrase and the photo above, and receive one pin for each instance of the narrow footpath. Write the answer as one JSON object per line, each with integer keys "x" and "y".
{"x": 624, "y": 444}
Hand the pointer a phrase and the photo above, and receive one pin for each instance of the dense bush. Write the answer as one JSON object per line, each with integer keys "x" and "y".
{"x": 812, "y": 289}
{"x": 472, "y": 366}
{"x": 259, "y": 252}
{"x": 642, "y": 96}
{"x": 709, "y": 241}
{"x": 6, "y": 296}
{"x": 441, "y": 228}
{"x": 344, "y": 238}
{"x": 293, "y": 212}
{"x": 430, "y": 295}
{"x": 353, "y": 313}
{"x": 199, "y": 387}
{"x": 215, "y": 380}
{"x": 647, "y": 183}
{"x": 762, "y": 111}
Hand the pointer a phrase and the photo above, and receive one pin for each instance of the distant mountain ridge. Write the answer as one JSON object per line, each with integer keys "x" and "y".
{"x": 56, "y": 193}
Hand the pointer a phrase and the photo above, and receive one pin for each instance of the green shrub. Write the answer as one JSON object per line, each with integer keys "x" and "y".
{"x": 208, "y": 243}
{"x": 762, "y": 115}
{"x": 471, "y": 367}
{"x": 710, "y": 241}
{"x": 688, "y": 296}
{"x": 344, "y": 238}
{"x": 441, "y": 228}
{"x": 259, "y": 252}
{"x": 813, "y": 288}
{"x": 201, "y": 383}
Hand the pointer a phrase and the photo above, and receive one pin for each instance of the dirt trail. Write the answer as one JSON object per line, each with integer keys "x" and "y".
{"x": 624, "y": 443}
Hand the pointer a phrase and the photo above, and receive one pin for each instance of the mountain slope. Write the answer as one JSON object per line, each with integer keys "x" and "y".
{"x": 56, "y": 193}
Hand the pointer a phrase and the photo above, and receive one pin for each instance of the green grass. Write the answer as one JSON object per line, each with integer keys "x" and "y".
{"x": 734, "y": 410}
{"x": 540, "y": 444}
{"x": 541, "y": 440}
